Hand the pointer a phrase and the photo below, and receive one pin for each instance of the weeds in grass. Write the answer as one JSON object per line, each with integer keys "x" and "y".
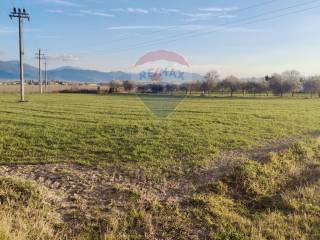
{"x": 24, "y": 213}
{"x": 264, "y": 200}
{"x": 274, "y": 199}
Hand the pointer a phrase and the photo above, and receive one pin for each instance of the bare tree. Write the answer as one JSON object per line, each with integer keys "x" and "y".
{"x": 172, "y": 88}
{"x": 265, "y": 87}
{"x": 115, "y": 85}
{"x": 250, "y": 87}
{"x": 312, "y": 86}
{"x": 278, "y": 86}
{"x": 231, "y": 84}
{"x": 293, "y": 79}
{"x": 210, "y": 81}
{"x": 129, "y": 85}
{"x": 185, "y": 87}
{"x": 244, "y": 87}
{"x": 195, "y": 86}
{"x": 256, "y": 87}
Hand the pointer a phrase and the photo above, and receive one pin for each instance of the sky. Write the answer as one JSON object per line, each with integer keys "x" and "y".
{"x": 240, "y": 37}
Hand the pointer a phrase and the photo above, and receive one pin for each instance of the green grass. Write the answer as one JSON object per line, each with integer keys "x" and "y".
{"x": 274, "y": 199}
{"x": 278, "y": 199}
{"x": 119, "y": 130}
{"x": 161, "y": 106}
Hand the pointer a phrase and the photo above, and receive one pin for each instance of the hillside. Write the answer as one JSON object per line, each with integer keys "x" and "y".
{"x": 9, "y": 70}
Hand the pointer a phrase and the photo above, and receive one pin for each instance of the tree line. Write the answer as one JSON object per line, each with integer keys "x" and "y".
{"x": 278, "y": 84}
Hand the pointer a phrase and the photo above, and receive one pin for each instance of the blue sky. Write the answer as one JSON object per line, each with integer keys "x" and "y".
{"x": 113, "y": 34}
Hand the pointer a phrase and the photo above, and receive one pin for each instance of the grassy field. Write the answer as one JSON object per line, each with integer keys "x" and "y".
{"x": 121, "y": 130}
{"x": 195, "y": 174}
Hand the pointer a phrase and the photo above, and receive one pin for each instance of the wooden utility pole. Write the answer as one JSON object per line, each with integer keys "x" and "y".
{"x": 45, "y": 75}
{"x": 40, "y": 56}
{"x": 21, "y": 15}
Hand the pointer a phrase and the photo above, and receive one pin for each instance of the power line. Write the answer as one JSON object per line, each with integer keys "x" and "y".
{"x": 216, "y": 16}
{"x": 200, "y": 32}
{"x": 21, "y": 15}
{"x": 260, "y": 20}
{"x": 267, "y": 19}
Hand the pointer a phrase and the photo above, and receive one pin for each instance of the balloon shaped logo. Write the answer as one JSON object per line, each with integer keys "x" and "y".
{"x": 159, "y": 75}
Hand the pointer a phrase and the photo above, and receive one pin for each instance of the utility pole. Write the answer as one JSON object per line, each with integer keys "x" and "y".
{"x": 45, "y": 75}
{"x": 21, "y": 15}
{"x": 40, "y": 56}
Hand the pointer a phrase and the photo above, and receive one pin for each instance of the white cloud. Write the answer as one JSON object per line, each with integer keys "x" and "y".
{"x": 203, "y": 14}
{"x": 198, "y": 15}
{"x": 7, "y": 30}
{"x": 131, "y": 10}
{"x": 146, "y": 11}
{"x": 217, "y": 9}
{"x": 211, "y": 12}
{"x": 96, "y": 13}
{"x": 64, "y": 3}
{"x": 10, "y": 30}
{"x": 138, "y": 27}
{"x": 55, "y": 11}
{"x": 193, "y": 17}
{"x": 227, "y": 16}
{"x": 165, "y": 10}
{"x": 137, "y": 10}
{"x": 188, "y": 27}
{"x": 64, "y": 58}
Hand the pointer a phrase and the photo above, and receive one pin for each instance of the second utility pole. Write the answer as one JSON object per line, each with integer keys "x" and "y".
{"x": 40, "y": 55}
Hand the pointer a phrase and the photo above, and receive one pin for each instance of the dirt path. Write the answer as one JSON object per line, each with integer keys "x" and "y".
{"x": 81, "y": 191}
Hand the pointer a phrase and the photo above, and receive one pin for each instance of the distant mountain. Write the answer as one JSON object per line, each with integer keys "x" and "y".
{"x": 10, "y": 71}
{"x": 88, "y": 76}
